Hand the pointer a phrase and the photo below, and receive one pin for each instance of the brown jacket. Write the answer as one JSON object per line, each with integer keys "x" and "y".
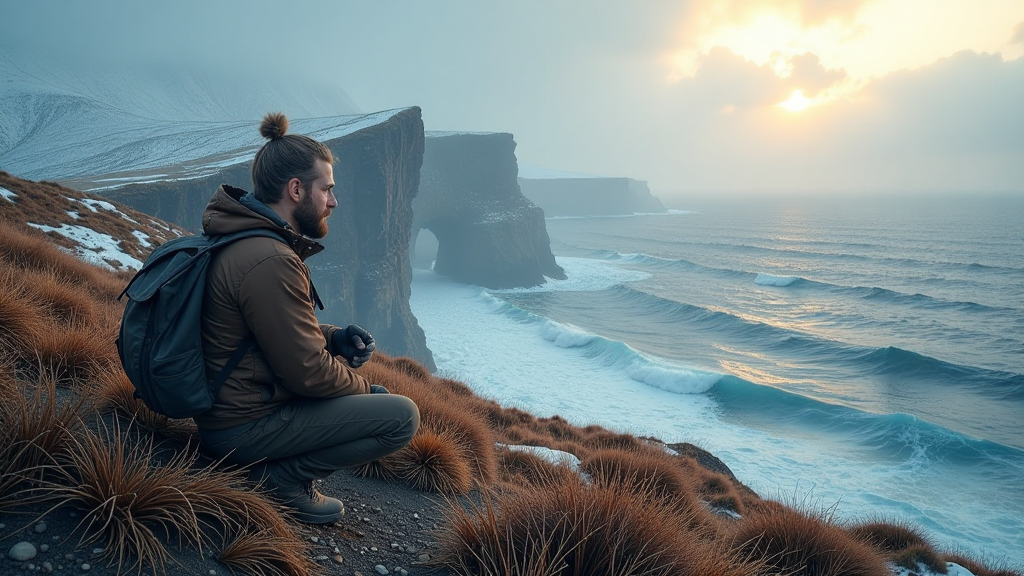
{"x": 261, "y": 285}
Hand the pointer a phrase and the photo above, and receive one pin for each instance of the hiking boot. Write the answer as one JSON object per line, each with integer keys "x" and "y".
{"x": 308, "y": 505}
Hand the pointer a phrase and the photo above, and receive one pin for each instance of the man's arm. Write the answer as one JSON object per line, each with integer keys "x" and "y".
{"x": 274, "y": 298}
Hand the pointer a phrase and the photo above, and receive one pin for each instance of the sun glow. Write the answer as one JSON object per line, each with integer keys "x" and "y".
{"x": 797, "y": 102}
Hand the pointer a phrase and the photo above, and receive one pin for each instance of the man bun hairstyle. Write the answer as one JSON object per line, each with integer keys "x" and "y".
{"x": 274, "y": 125}
{"x": 283, "y": 157}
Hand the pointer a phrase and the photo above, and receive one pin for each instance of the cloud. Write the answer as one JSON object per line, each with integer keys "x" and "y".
{"x": 809, "y": 75}
{"x": 725, "y": 80}
{"x": 953, "y": 126}
{"x": 1018, "y": 35}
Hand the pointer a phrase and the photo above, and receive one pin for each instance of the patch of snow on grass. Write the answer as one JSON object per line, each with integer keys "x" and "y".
{"x": 73, "y": 214}
{"x": 556, "y": 457}
{"x": 93, "y": 204}
{"x": 94, "y": 247}
{"x": 7, "y": 194}
{"x": 143, "y": 238}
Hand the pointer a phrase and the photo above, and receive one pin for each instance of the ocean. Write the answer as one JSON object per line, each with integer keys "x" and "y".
{"x": 862, "y": 353}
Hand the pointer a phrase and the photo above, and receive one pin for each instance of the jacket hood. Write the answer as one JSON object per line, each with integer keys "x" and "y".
{"x": 233, "y": 210}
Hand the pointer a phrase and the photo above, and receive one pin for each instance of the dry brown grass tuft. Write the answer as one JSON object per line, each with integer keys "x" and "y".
{"x": 29, "y": 249}
{"x": 433, "y": 462}
{"x": 470, "y": 433}
{"x": 134, "y": 503}
{"x": 603, "y": 439}
{"x": 75, "y": 351}
{"x": 457, "y": 389}
{"x": 35, "y": 427}
{"x": 20, "y": 311}
{"x": 901, "y": 543}
{"x": 63, "y": 300}
{"x": 519, "y": 468}
{"x": 263, "y": 552}
{"x": 805, "y": 544}
{"x": 574, "y": 530}
{"x": 718, "y": 489}
{"x": 640, "y": 473}
{"x": 131, "y": 507}
{"x": 410, "y": 368}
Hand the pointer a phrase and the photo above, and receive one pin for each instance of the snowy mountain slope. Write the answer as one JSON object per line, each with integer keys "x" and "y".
{"x": 59, "y": 122}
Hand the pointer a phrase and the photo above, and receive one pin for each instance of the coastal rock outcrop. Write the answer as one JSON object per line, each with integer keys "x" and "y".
{"x": 561, "y": 193}
{"x": 364, "y": 275}
{"x": 487, "y": 232}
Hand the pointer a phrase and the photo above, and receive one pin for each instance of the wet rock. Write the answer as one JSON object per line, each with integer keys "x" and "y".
{"x": 22, "y": 552}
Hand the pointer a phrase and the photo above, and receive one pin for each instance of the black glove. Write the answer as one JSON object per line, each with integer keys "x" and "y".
{"x": 353, "y": 344}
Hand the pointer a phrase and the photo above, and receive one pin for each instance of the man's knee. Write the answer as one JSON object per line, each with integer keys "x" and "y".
{"x": 407, "y": 414}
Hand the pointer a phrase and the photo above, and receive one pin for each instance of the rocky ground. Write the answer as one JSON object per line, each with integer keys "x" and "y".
{"x": 387, "y": 529}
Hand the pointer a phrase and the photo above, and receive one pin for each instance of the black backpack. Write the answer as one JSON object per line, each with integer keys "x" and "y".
{"x": 160, "y": 341}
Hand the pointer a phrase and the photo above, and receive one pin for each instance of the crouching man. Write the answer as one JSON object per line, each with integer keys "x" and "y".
{"x": 294, "y": 409}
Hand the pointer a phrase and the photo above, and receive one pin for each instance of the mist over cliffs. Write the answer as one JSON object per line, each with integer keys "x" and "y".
{"x": 561, "y": 193}
{"x": 161, "y": 141}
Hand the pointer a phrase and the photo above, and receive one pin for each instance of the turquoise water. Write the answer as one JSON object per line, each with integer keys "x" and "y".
{"x": 867, "y": 352}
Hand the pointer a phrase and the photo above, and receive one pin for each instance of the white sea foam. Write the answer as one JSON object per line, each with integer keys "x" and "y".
{"x": 550, "y": 369}
{"x": 565, "y": 336}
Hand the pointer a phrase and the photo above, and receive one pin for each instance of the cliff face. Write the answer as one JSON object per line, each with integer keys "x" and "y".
{"x": 488, "y": 233}
{"x": 582, "y": 196}
{"x": 364, "y": 275}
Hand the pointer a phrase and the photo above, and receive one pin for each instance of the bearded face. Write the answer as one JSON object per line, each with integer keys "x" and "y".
{"x": 311, "y": 222}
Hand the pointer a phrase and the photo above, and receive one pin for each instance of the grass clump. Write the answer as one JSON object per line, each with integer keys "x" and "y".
{"x": 901, "y": 543}
{"x": 804, "y": 544}
{"x": 575, "y": 529}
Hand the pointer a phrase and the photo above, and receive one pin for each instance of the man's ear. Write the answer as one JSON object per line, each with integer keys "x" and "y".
{"x": 294, "y": 189}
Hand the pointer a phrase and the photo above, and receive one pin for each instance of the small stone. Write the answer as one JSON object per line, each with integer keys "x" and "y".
{"x": 69, "y": 557}
{"x": 373, "y": 548}
{"x": 86, "y": 567}
{"x": 394, "y": 544}
{"x": 2, "y": 525}
{"x": 321, "y": 557}
{"x": 367, "y": 520}
{"x": 314, "y": 539}
{"x": 381, "y": 570}
{"x": 97, "y": 550}
{"x": 22, "y": 552}
{"x": 31, "y": 566}
{"x": 55, "y": 538}
{"x": 44, "y": 547}
{"x": 47, "y": 567}
{"x": 416, "y": 515}
{"x": 337, "y": 550}
{"x": 339, "y": 558}
{"x": 41, "y": 527}
{"x": 403, "y": 572}
{"x": 423, "y": 557}
{"x": 213, "y": 572}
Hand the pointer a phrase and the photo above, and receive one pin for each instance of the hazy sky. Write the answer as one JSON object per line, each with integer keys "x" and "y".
{"x": 895, "y": 95}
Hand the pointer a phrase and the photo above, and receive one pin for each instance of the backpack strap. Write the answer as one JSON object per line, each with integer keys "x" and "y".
{"x": 247, "y": 343}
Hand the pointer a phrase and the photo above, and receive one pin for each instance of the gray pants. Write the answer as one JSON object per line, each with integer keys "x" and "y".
{"x": 312, "y": 438}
